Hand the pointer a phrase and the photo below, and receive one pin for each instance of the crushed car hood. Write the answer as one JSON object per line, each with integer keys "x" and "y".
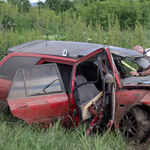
{"x": 136, "y": 81}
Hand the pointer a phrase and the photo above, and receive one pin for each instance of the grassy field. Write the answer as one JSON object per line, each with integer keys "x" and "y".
{"x": 15, "y": 134}
{"x": 18, "y": 135}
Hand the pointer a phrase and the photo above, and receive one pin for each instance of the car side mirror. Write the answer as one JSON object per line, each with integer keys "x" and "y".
{"x": 109, "y": 78}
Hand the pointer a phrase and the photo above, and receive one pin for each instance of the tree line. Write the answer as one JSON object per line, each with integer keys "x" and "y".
{"x": 126, "y": 11}
{"x": 17, "y": 27}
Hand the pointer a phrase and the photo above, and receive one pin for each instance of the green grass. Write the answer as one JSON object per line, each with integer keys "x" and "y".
{"x": 15, "y": 134}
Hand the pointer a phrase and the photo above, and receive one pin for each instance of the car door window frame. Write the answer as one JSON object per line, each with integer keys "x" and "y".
{"x": 24, "y": 80}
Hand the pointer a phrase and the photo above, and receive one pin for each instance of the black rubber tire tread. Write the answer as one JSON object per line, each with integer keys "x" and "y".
{"x": 133, "y": 129}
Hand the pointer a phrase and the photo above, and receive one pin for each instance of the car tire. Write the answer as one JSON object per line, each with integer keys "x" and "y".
{"x": 130, "y": 125}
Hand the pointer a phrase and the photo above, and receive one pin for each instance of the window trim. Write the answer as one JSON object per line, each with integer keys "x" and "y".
{"x": 25, "y": 87}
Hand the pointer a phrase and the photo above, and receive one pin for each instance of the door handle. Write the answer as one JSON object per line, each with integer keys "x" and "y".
{"x": 23, "y": 105}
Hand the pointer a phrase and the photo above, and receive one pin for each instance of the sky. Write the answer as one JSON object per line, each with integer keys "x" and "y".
{"x": 34, "y": 1}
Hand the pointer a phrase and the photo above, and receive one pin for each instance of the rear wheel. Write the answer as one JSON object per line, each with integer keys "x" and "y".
{"x": 130, "y": 125}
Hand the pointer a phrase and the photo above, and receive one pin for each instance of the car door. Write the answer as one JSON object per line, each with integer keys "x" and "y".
{"x": 105, "y": 111}
{"x": 37, "y": 94}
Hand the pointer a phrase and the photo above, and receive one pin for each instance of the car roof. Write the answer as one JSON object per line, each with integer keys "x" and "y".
{"x": 75, "y": 49}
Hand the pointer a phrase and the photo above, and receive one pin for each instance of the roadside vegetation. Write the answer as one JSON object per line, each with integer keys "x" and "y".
{"x": 45, "y": 22}
{"x": 110, "y": 22}
{"x": 18, "y": 135}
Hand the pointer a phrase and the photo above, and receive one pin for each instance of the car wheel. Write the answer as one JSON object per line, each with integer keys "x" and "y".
{"x": 130, "y": 125}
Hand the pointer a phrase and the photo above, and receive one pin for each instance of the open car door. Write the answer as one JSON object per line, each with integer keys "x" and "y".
{"x": 103, "y": 111}
{"x": 37, "y": 94}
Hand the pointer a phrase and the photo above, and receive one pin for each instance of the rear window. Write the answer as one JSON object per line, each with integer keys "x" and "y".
{"x": 8, "y": 69}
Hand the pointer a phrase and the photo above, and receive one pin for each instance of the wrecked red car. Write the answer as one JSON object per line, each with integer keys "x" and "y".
{"x": 42, "y": 81}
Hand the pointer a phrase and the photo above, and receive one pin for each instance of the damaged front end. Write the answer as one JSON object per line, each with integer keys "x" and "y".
{"x": 132, "y": 114}
{"x": 124, "y": 106}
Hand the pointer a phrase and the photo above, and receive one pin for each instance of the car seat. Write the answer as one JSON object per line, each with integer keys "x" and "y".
{"x": 85, "y": 92}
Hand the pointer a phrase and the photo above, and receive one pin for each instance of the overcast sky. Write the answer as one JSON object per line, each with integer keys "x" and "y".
{"x": 35, "y": 1}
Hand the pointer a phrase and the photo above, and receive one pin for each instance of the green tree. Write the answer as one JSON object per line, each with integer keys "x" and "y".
{"x": 59, "y": 5}
{"x": 65, "y": 5}
{"x": 127, "y": 11}
{"x": 40, "y": 4}
{"x": 2, "y": 2}
{"x": 22, "y": 4}
{"x": 53, "y": 4}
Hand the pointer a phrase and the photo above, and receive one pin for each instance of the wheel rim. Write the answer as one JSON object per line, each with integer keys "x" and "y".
{"x": 128, "y": 125}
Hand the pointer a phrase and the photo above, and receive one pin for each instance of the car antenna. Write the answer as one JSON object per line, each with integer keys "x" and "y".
{"x": 3, "y": 53}
{"x": 46, "y": 42}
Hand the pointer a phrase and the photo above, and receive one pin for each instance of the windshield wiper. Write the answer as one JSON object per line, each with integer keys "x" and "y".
{"x": 49, "y": 85}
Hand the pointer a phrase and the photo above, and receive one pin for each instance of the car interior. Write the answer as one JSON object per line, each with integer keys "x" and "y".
{"x": 88, "y": 80}
{"x": 65, "y": 72}
{"x": 123, "y": 70}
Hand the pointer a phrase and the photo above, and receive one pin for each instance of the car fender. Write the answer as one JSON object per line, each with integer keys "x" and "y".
{"x": 125, "y": 100}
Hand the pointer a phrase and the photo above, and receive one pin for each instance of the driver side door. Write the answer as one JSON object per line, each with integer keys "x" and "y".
{"x": 37, "y": 94}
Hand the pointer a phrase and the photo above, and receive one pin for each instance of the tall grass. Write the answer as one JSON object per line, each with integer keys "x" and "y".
{"x": 18, "y": 135}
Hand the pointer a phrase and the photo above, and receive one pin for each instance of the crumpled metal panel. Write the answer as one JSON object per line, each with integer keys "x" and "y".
{"x": 125, "y": 100}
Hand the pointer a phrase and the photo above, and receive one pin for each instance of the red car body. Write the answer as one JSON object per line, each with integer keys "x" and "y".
{"x": 38, "y": 81}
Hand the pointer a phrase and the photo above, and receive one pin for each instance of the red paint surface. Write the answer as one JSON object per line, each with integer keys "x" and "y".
{"x": 113, "y": 68}
{"x": 146, "y": 99}
{"x": 125, "y": 100}
{"x": 53, "y": 58}
{"x": 94, "y": 122}
{"x": 41, "y": 108}
{"x": 73, "y": 106}
{"x": 4, "y": 88}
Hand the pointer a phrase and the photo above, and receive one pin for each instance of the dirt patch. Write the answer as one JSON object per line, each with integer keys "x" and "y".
{"x": 138, "y": 146}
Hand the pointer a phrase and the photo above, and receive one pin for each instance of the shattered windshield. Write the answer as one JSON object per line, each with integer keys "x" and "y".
{"x": 126, "y": 65}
